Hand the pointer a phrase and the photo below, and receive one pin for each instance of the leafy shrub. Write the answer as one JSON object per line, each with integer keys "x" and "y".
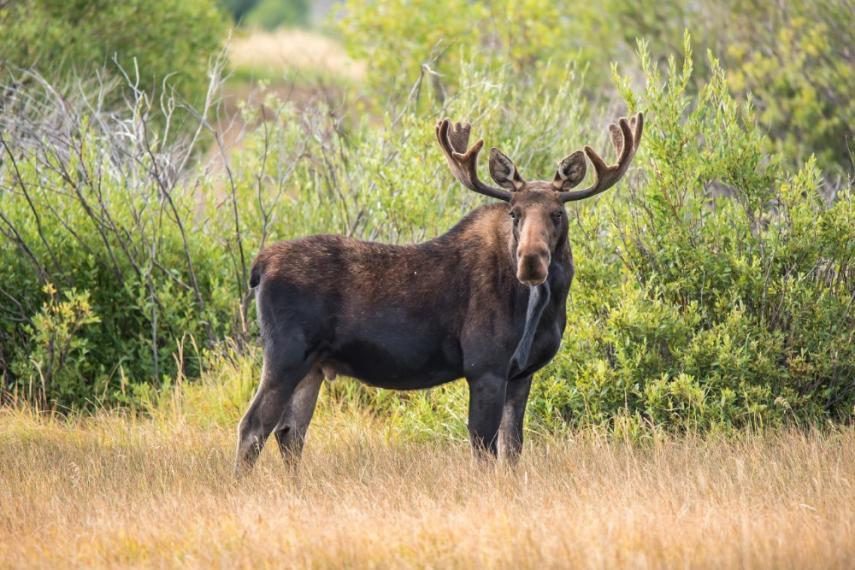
{"x": 397, "y": 37}
{"x": 271, "y": 14}
{"x": 793, "y": 58}
{"x": 56, "y": 368}
{"x": 705, "y": 298}
{"x": 268, "y": 14}
{"x": 717, "y": 294}
{"x": 238, "y": 9}
{"x": 90, "y": 202}
{"x": 713, "y": 286}
{"x": 798, "y": 66}
{"x": 165, "y": 40}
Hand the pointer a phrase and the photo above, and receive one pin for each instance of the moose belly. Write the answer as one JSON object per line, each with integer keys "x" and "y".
{"x": 401, "y": 354}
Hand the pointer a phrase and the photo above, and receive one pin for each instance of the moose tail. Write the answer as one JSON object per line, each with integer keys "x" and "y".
{"x": 256, "y": 272}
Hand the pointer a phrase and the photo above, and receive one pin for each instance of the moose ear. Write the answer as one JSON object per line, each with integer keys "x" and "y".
{"x": 570, "y": 172}
{"x": 504, "y": 172}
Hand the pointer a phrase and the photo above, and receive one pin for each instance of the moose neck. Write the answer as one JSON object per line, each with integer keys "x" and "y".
{"x": 538, "y": 298}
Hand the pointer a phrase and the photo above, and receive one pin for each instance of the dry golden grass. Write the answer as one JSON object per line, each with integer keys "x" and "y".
{"x": 120, "y": 491}
{"x": 292, "y": 49}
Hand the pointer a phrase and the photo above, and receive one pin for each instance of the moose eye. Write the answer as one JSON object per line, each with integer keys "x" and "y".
{"x": 557, "y": 215}
{"x": 515, "y": 216}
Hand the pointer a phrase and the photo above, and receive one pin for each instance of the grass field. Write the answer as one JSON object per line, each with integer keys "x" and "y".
{"x": 270, "y": 55}
{"x": 115, "y": 490}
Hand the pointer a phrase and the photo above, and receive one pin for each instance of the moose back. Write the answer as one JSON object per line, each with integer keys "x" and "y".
{"x": 484, "y": 302}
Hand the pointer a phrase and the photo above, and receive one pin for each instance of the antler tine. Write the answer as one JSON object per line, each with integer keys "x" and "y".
{"x": 626, "y": 143}
{"x": 453, "y": 141}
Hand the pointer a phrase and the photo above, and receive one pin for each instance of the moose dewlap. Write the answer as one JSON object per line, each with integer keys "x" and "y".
{"x": 484, "y": 301}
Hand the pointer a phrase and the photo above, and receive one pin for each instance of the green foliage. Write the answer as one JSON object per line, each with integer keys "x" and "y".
{"x": 218, "y": 397}
{"x": 711, "y": 301}
{"x": 798, "y": 66}
{"x": 56, "y": 366}
{"x": 165, "y": 40}
{"x": 794, "y": 57}
{"x": 397, "y": 37}
{"x": 238, "y": 9}
{"x": 87, "y": 203}
{"x": 713, "y": 290}
{"x": 268, "y": 14}
{"x": 271, "y": 14}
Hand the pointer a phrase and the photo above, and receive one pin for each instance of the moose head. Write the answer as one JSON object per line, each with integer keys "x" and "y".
{"x": 536, "y": 207}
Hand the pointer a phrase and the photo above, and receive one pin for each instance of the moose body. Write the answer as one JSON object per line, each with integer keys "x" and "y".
{"x": 484, "y": 302}
{"x": 409, "y": 317}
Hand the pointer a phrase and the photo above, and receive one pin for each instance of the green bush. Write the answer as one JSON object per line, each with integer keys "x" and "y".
{"x": 91, "y": 211}
{"x": 55, "y": 367}
{"x": 271, "y": 14}
{"x": 798, "y": 66}
{"x": 397, "y": 37}
{"x": 238, "y": 9}
{"x": 719, "y": 292}
{"x": 268, "y": 14}
{"x": 793, "y": 59}
{"x": 169, "y": 41}
{"x": 712, "y": 291}
{"x": 713, "y": 286}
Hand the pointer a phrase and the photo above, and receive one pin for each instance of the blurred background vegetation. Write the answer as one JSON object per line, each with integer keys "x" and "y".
{"x": 150, "y": 149}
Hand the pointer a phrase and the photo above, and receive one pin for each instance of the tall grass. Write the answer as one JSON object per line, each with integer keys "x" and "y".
{"x": 119, "y": 490}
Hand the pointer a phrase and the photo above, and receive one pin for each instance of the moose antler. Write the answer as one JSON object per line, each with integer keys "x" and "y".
{"x": 454, "y": 139}
{"x": 625, "y": 138}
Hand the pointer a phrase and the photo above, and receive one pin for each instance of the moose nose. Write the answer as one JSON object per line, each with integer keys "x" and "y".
{"x": 533, "y": 268}
{"x": 532, "y": 251}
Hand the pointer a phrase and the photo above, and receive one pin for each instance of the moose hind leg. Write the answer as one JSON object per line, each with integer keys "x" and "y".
{"x": 279, "y": 378}
{"x": 486, "y": 398}
{"x": 291, "y": 431}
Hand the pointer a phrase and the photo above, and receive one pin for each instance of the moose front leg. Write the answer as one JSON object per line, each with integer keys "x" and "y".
{"x": 486, "y": 399}
{"x": 513, "y": 413}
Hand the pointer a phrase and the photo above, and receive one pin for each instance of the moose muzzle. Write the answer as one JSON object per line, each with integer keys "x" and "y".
{"x": 533, "y": 266}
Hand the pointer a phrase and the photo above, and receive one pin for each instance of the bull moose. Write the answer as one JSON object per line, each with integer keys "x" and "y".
{"x": 484, "y": 302}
